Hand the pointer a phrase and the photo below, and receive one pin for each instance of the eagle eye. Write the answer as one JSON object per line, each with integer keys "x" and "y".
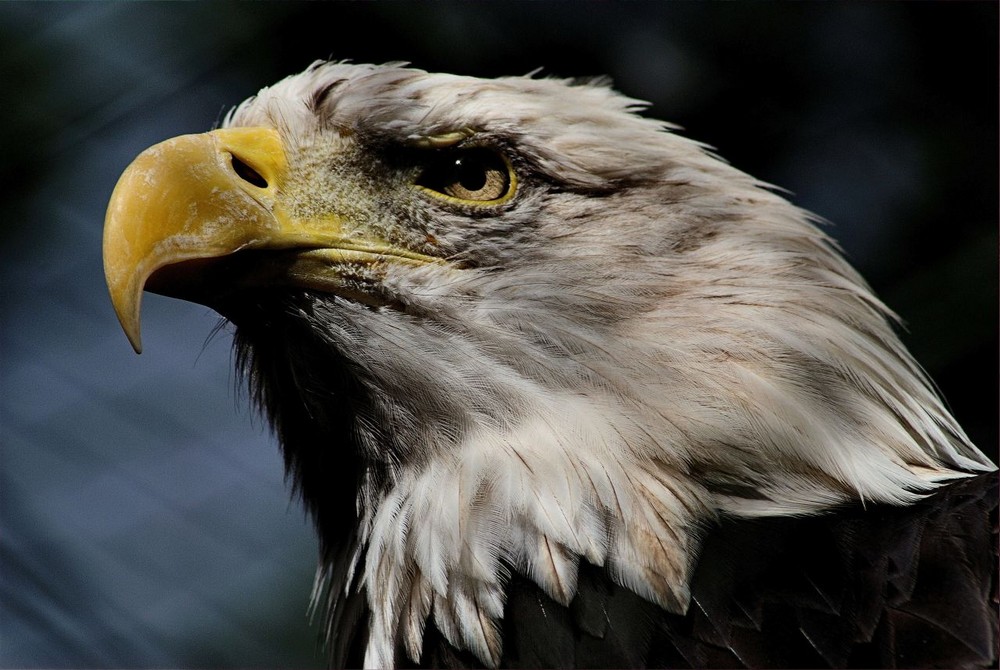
{"x": 479, "y": 175}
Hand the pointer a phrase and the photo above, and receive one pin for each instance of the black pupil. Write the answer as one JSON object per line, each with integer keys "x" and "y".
{"x": 470, "y": 173}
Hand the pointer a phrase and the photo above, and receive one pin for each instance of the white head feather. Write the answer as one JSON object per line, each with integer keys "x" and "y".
{"x": 645, "y": 338}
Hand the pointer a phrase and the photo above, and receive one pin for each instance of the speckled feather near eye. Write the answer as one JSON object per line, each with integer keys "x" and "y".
{"x": 516, "y": 426}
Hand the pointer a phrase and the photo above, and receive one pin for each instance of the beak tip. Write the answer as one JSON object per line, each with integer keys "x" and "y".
{"x": 128, "y": 313}
{"x": 132, "y": 329}
{"x": 133, "y": 333}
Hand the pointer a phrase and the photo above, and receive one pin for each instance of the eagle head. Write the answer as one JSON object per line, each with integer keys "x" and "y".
{"x": 505, "y": 326}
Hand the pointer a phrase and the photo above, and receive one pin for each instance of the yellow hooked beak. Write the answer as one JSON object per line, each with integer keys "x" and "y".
{"x": 186, "y": 203}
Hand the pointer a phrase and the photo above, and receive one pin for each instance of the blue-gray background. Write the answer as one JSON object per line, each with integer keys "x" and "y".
{"x": 144, "y": 520}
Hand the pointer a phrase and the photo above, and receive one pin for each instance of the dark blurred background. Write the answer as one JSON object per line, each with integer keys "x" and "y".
{"x": 144, "y": 520}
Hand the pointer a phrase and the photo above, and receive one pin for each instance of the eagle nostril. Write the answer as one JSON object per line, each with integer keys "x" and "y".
{"x": 248, "y": 174}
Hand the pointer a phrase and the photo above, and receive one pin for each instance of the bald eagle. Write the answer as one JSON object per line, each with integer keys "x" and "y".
{"x": 530, "y": 355}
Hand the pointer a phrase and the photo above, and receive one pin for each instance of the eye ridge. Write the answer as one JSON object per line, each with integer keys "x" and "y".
{"x": 478, "y": 175}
